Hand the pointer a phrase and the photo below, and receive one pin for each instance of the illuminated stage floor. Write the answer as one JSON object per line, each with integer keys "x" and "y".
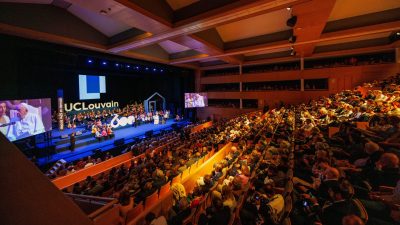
{"x": 86, "y": 143}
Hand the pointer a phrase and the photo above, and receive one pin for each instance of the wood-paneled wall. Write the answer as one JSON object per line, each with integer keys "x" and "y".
{"x": 340, "y": 78}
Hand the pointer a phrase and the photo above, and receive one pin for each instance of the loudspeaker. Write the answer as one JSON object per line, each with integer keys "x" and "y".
{"x": 292, "y": 21}
{"x": 149, "y": 133}
{"x": 119, "y": 142}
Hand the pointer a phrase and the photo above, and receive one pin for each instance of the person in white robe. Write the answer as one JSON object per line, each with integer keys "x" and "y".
{"x": 26, "y": 123}
{"x": 156, "y": 118}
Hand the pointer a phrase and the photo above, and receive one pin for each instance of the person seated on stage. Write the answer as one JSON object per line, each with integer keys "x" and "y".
{"x": 104, "y": 133}
{"x": 177, "y": 118}
{"x": 98, "y": 134}
{"x": 98, "y": 123}
{"x": 94, "y": 129}
{"x": 109, "y": 130}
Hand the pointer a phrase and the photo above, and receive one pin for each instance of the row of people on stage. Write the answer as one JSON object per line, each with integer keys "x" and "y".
{"x": 72, "y": 120}
{"x": 102, "y": 130}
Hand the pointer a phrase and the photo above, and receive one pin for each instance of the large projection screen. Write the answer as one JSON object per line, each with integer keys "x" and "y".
{"x": 195, "y": 100}
{"x": 24, "y": 118}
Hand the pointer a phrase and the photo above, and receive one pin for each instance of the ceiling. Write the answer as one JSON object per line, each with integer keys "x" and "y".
{"x": 204, "y": 34}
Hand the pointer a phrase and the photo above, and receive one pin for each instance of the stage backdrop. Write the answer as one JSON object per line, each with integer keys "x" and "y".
{"x": 33, "y": 69}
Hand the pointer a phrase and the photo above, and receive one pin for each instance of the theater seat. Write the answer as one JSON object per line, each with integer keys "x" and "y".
{"x": 151, "y": 200}
{"x": 361, "y": 208}
{"x": 185, "y": 174}
{"x": 164, "y": 189}
{"x": 176, "y": 179}
{"x": 133, "y": 213}
{"x": 110, "y": 217}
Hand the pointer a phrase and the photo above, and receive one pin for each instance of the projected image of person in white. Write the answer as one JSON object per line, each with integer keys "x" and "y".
{"x": 26, "y": 123}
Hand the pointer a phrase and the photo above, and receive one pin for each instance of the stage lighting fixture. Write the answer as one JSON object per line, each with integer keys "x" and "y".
{"x": 128, "y": 66}
{"x": 292, "y": 39}
{"x": 116, "y": 64}
{"x": 90, "y": 61}
{"x": 154, "y": 69}
{"x": 137, "y": 67}
{"x": 104, "y": 63}
{"x": 147, "y": 68}
{"x": 398, "y": 33}
{"x": 288, "y": 8}
{"x": 292, "y": 21}
{"x": 161, "y": 70}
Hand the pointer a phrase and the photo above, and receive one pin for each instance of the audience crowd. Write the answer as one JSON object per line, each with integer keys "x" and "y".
{"x": 284, "y": 166}
{"x": 139, "y": 146}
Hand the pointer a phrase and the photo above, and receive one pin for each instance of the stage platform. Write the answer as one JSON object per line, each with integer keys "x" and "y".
{"x": 86, "y": 142}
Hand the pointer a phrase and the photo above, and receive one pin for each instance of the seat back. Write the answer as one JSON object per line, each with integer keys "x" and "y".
{"x": 361, "y": 208}
{"x": 151, "y": 200}
{"x": 201, "y": 161}
{"x": 176, "y": 179}
{"x": 110, "y": 217}
{"x": 164, "y": 189}
{"x": 133, "y": 213}
{"x": 190, "y": 218}
{"x": 289, "y": 174}
{"x": 193, "y": 167}
{"x": 185, "y": 174}
{"x": 288, "y": 188}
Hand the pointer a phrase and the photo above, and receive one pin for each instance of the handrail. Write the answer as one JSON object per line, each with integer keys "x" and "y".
{"x": 91, "y": 197}
{"x": 103, "y": 209}
{"x": 110, "y": 202}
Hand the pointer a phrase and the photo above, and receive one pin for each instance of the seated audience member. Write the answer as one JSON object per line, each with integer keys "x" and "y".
{"x": 379, "y": 205}
{"x": 125, "y": 203}
{"x": 340, "y": 206}
{"x": 386, "y": 172}
{"x": 352, "y": 220}
{"x": 217, "y": 214}
{"x": 151, "y": 219}
{"x": 180, "y": 205}
{"x": 146, "y": 191}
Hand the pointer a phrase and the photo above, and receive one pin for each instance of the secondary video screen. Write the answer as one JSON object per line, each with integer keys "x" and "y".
{"x": 193, "y": 100}
{"x": 24, "y": 118}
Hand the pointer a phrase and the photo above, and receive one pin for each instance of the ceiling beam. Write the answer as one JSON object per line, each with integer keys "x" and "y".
{"x": 245, "y": 10}
{"x": 311, "y": 20}
{"x": 194, "y": 42}
{"x": 162, "y": 13}
{"x": 53, "y": 38}
{"x": 337, "y": 35}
